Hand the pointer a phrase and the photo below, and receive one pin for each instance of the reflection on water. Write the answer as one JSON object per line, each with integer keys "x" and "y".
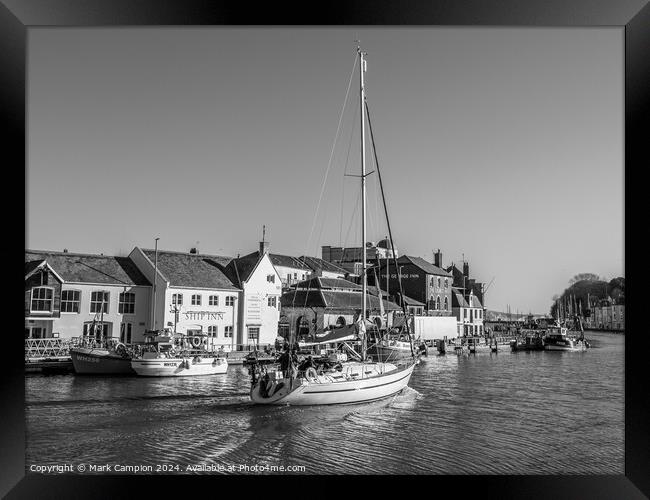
{"x": 490, "y": 413}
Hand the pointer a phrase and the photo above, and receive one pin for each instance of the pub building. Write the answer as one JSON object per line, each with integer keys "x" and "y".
{"x": 72, "y": 294}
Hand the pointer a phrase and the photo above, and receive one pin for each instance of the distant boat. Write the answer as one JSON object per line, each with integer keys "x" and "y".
{"x": 162, "y": 357}
{"x": 341, "y": 380}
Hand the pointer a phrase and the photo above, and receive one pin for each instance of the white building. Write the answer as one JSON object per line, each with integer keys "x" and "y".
{"x": 193, "y": 295}
{"x": 290, "y": 269}
{"x": 67, "y": 293}
{"x": 261, "y": 288}
{"x": 468, "y": 311}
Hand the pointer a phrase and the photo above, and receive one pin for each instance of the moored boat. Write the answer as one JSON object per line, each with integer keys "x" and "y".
{"x": 529, "y": 342}
{"x": 162, "y": 357}
{"x": 557, "y": 339}
{"x": 101, "y": 360}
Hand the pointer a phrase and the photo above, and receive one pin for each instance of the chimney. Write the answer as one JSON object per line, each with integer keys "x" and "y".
{"x": 326, "y": 253}
{"x": 194, "y": 251}
{"x": 466, "y": 270}
{"x": 264, "y": 247}
{"x": 438, "y": 258}
{"x": 65, "y": 250}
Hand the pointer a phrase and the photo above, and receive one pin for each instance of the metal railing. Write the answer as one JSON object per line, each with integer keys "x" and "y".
{"x": 49, "y": 348}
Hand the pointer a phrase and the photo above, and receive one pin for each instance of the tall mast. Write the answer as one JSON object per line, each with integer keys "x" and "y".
{"x": 155, "y": 280}
{"x": 363, "y": 185}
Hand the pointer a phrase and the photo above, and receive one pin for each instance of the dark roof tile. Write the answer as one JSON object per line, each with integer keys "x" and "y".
{"x": 193, "y": 270}
{"x": 87, "y": 268}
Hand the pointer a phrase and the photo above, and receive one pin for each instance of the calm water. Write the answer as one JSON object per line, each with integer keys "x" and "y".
{"x": 506, "y": 413}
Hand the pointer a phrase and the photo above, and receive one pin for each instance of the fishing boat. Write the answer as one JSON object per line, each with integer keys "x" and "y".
{"x": 109, "y": 360}
{"x": 557, "y": 339}
{"x": 530, "y": 341}
{"x": 98, "y": 355}
{"x": 162, "y": 356}
{"x": 341, "y": 380}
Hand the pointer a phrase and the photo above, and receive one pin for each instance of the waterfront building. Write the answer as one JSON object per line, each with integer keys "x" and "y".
{"x": 463, "y": 281}
{"x": 290, "y": 269}
{"x": 193, "y": 295}
{"x": 320, "y": 303}
{"x": 606, "y": 315}
{"x": 71, "y": 295}
{"x": 422, "y": 281}
{"x": 261, "y": 287}
{"x": 468, "y": 311}
{"x": 351, "y": 258}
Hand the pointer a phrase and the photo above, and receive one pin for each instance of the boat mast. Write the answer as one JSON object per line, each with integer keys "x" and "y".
{"x": 155, "y": 279}
{"x": 363, "y": 186}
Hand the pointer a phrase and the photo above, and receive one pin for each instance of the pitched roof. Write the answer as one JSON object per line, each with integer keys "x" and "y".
{"x": 288, "y": 261}
{"x": 412, "y": 302}
{"x": 427, "y": 267}
{"x": 87, "y": 268}
{"x": 335, "y": 299}
{"x": 192, "y": 270}
{"x": 328, "y": 283}
{"x": 317, "y": 264}
{"x": 239, "y": 270}
{"x": 457, "y": 299}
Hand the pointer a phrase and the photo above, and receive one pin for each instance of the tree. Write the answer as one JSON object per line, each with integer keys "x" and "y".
{"x": 584, "y": 277}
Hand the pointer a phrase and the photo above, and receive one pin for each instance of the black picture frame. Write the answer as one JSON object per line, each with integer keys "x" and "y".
{"x": 16, "y": 16}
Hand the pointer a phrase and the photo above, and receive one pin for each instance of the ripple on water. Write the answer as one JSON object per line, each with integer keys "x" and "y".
{"x": 503, "y": 413}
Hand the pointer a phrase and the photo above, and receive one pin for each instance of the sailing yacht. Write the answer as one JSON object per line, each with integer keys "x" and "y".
{"x": 337, "y": 379}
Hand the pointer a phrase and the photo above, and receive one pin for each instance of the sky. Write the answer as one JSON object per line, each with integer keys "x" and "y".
{"x": 502, "y": 146}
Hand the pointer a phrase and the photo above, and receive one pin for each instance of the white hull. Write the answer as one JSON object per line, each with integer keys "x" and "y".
{"x": 373, "y": 381}
{"x": 579, "y": 347}
{"x": 179, "y": 367}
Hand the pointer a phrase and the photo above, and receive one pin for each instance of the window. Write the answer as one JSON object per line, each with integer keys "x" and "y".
{"x": 177, "y": 299}
{"x": 127, "y": 303}
{"x": 125, "y": 332}
{"x": 196, "y": 300}
{"x": 253, "y": 333}
{"x": 431, "y": 282}
{"x": 230, "y": 300}
{"x": 212, "y": 331}
{"x": 438, "y": 282}
{"x": 227, "y": 332}
{"x": 272, "y": 301}
{"x": 446, "y": 304}
{"x": 99, "y": 302}
{"x": 270, "y": 278}
{"x": 295, "y": 276}
{"x": 96, "y": 330}
{"x": 438, "y": 303}
{"x": 446, "y": 283}
{"x": 464, "y": 313}
{"x": 42, "y": 299}
{"x": 213, "y": 300}
{"x": 70, "y": 300}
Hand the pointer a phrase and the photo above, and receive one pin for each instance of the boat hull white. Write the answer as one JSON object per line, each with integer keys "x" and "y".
{"x": 179, "y": 367}
{"x": 578, "y": 347}
{"x": 323, "y": 390}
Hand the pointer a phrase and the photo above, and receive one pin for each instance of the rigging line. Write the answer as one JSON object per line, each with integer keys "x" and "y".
{"x": 345, "y": 170}
{"x": 352, "y": 220}
{"x": 390, "y": 234}
{"x": 329, "y": 164}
